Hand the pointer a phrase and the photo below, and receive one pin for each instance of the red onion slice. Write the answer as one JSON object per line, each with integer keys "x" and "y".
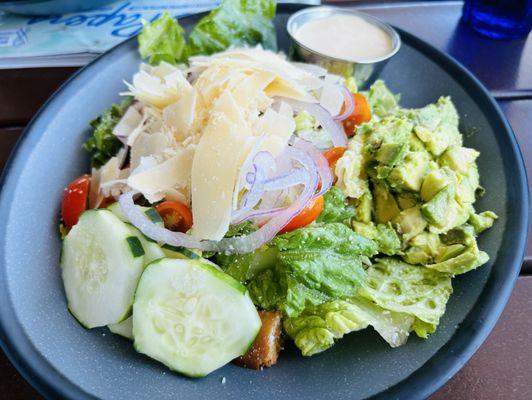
{"x": 242, "y": 244}
{"x": 321, "y": 162}
{"x": 251, "y": 242}
{"x": 325, "y": 119}
{"x": 155, "y": 232}
{"x": 349, "y": 105}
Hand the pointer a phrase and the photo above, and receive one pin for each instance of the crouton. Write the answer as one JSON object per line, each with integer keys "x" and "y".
{"x": 266, "y": 347}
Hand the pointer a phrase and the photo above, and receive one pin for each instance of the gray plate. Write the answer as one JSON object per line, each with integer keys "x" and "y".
{"x": 62, "y": 359}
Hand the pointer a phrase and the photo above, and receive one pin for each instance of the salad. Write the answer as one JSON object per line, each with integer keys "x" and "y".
{"x": 238, "y": 199}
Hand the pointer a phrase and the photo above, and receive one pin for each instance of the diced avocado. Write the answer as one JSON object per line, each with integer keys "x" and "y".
{"x": 415, "y": 144}
{"x": 386, "y": 207}
{"x": 438, "y": 211}
{"x": 407, "y": 200}
{"x": 383, "y": 234}
{"x": 409, "y": 223}
{"x": 390, "y": 153}
{"x": 410, "y": 173}
{"x": 464, "y": 234}
{"x": 459, "y": 158}
{"x": 391, "y": 135}
{"x": 482, "y": 221}
{"x": 387, "y": 240}
{"x": 423, "y": 249}
{"x": 470, "y": 259}
{"x": 443, "y": 212}
{"x": 382, "y": 101}
{"x": 364, "y": 207}
{"x": 437, "y": 126}
{"x": 434, "y": 182}
{"x": 448, "y": 252}
{"x": 467, "y": 185}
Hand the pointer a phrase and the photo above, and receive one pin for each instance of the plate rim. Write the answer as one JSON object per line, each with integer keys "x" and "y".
{"x": 424, "y": 381}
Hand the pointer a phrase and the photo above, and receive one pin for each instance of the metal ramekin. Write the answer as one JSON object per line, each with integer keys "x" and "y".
{"x": 365, "y": 72}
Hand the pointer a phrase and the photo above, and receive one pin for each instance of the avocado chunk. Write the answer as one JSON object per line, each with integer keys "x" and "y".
{"x": 407, "y": 200}
{"x": 468, "y": 260}
{"x": 381, "y": 100}
{"x": 434, "y": 182}
{"x": 459, "y": 158}
{"x": 437, "y": 126}
{"x": 467, "y": 185}
{"x": 386, "y": 207}
{"x": 364, "y": 207}
{"x": 386, "y": 143}
{"x": 410, "y": 173}
{"x": 384, "y": 235}
{"x": 443, "y": 212}
{"x": 482, "y": 221}
{"x": 424, "y": 248}
{"x": 409, "y": 223}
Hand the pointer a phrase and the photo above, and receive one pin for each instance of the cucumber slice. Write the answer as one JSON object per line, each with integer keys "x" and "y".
{"x": 124, "y": 328}
{"x": 151, "y": 213}
{"x": 101, "y": 264}
{"x": 152, "y": 251}
{"x": 180, "y": 252}
{"x": 192, "y": 317}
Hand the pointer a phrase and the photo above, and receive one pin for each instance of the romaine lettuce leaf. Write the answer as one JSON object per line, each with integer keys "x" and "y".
{"x": 232, "y": 23}
{"x": 235, "y": 23}
{"x": 410, "y": 289}
{"x": 335, "y": 208}
{"x": 317, "y": 328}
{"x": 308, "y": 266}
{"x": 333, "y": 237}
{"x": 163, "y": 40}
{"x": 103, "y": 144}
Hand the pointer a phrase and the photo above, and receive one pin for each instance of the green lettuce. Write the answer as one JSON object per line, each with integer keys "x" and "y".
{"x": 306, "y": 267}
{"x": 235, "y": 23}
{"x": 317, "y": 328}
{"x": 103, "y": 144}
{"x": 232, "y": 23}
{"x": 163, "y": 40}
{"x": 410, "y": 289}
{"x": 335, "y": 209}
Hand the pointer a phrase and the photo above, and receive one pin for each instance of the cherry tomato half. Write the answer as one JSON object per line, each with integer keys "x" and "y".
{"x": 332, "y": 155}
{"x": 308, "y": 214}
{"x": 176, "y": 216}
{"x": 361, "y": 113}
{"x": 75, "y": 198}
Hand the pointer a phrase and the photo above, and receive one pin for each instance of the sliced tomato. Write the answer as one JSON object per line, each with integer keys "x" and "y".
{"x": 361, "y": 113}
{"x": 308, "y": 214}
{"x": 75, "y": 200}
{"x": 176, "y": 216}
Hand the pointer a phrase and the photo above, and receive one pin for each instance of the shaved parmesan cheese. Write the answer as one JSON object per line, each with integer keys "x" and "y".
{"x": 214, "y": 174}
{"x": 179, "y": 116}
{"x": 129, "y": 121}
{"x": 159, "y": 86}
{"x": 284, "y": 88}
{"x": 95, "y": 194}
{"x": 332, "y": 98}
{"x": 153, "y": 181}
{"x": 249, "y": 88}
{"x": 146, "y": 144}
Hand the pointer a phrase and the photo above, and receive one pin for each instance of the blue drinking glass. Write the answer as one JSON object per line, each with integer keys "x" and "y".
{"x": 499, "y": 19}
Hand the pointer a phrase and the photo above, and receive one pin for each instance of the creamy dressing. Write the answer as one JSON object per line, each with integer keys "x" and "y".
{"x": 347, "y": 37}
